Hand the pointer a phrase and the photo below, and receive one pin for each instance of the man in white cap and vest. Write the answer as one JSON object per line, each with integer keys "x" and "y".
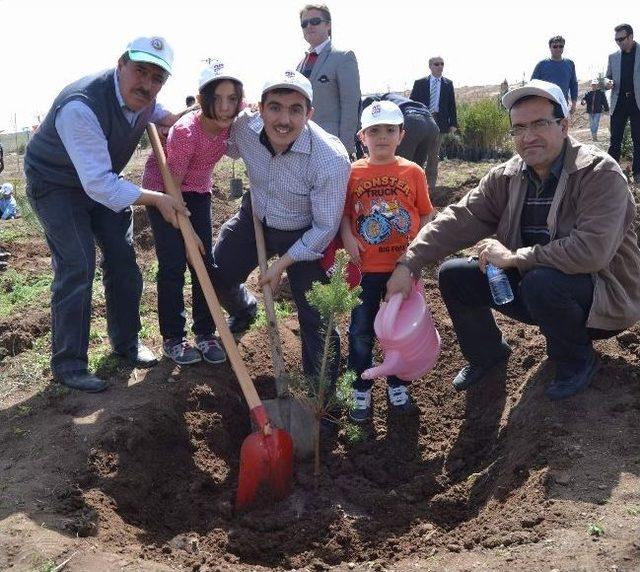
{"x": 298, "y": 175}
{"x": 73, "y": 164}
{"x": 563, "y": 219}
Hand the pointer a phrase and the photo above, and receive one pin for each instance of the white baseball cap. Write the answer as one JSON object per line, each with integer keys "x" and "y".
{"x": 217, "y": 69}
{"x": 151, "y": 50}
{"x": 290, "y": 79}
{"x": 540, "y": 88}
{"x": 6, "y": 189}
{"x": 381, "y": 113}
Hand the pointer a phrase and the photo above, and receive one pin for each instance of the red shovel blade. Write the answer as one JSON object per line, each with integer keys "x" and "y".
{"x": 266, "y": 467}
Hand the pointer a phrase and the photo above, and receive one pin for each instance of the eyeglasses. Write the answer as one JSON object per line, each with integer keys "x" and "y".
{"x": 556, "y": 46}
{"x": 534, "y": 127}
{"x": 313, "y": 21}
{"x": 437, "y": 64}
{"x": 622, "y": 39}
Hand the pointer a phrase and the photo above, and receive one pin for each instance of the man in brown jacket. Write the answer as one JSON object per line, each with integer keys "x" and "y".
{"x": 561, "y": 218}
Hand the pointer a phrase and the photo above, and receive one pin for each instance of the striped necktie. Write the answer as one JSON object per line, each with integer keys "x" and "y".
{"x": 433, "y": 104}
{"x": 307, "y": 64}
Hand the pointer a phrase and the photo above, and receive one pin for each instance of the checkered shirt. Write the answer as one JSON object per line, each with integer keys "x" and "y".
{"x": 304, "y": 187}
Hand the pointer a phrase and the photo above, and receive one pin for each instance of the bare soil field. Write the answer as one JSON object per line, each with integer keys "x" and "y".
{"x": 143, "y": 476}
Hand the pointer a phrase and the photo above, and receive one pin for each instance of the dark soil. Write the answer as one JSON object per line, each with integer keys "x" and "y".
{"x": 144, "y": 475}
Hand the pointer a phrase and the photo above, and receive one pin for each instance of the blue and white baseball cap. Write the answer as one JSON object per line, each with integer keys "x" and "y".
{"x": 151, "y": 50}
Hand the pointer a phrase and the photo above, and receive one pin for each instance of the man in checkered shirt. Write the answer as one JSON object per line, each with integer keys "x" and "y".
{"x": 298, "y": 175}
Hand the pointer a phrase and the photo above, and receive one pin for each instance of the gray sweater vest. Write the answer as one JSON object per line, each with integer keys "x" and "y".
{"x": 46, "y": 158}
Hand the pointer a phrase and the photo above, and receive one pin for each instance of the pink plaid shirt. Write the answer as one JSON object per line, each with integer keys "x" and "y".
{"x": 192, "y": 154}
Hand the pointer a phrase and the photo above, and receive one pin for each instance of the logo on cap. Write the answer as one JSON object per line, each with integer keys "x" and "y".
{"x": 217, "y": 68}
{"x": 289, "y": 74}
{"x": 156, "y": 43}
{"x": 376, "y": 109}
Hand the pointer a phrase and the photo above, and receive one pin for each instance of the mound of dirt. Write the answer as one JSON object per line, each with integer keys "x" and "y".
{"x": 144, "y": 475}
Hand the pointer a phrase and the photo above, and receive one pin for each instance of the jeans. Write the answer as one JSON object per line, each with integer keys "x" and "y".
{"x": 626, "y": 108}
{"x": 172, "y": 263}
{"x": 421, "y": 142}
{"x": 361, "y": 332}
{"x": 235, "y": 257}
{"x": 594, "y": 122}
{"x": 556, "y": 302}
{"x": 73, "y": 223}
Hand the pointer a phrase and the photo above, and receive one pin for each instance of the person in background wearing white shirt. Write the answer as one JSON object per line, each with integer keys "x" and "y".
{"x": 72, "y": 165}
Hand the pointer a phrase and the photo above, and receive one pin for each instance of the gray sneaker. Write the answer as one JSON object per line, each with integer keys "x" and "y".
{"x": 210, "y": 349}
{"x": 180, "y": 351}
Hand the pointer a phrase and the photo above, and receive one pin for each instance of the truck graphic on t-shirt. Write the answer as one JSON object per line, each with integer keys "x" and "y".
{"x": 384, "y": 216}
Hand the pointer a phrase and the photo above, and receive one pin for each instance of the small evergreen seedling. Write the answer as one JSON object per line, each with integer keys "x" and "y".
{"x": 331, "y": 300}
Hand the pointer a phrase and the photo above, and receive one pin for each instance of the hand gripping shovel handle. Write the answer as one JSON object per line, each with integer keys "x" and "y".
{"x": 272, "y": 323}
{"x": 250, "y": 394}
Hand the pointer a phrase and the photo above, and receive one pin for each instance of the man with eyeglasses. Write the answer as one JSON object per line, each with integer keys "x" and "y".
{"x": 72, "y": 165}
{"x": 437, "y": 93}
{"x": 623, "y": 70}
{"x": 560, "y": 71}
{"x": 561, "y": 220}
{"x": 334, "y": 76}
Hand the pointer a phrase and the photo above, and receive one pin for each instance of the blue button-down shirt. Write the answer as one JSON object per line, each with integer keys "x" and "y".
{"x": 305, "y": 187}
{"x": 86, "y": 145}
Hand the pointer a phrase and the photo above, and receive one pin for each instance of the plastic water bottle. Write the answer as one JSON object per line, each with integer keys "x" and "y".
{"x": 499, "y": 285}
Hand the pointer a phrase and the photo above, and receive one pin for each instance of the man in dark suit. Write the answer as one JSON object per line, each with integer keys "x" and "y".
{"x": 437, "y": 93}
{"x": 623, "y": 71}
{"x": 334, "y": 75}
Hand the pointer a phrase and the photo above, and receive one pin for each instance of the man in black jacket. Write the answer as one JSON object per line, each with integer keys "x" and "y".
{"x": 437, "y": 93}
{"x": 596, "y": 102}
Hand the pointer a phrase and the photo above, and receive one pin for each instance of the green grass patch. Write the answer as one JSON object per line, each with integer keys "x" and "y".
{"x": 355, "y": 433}
{"x": 150, "y": 273}
{"x": 103, "y": 362}
{"x": 24, "y": 410}
{"x": 634, "y": 510}
{"x": 596, "y": 529}
{"x": 40, "y": 565}
{"x": 283, "y": 309}
{"x": 18, "y": 291}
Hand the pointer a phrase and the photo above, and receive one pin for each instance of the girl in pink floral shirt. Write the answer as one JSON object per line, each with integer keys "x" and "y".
{"x": 195, "y": 144}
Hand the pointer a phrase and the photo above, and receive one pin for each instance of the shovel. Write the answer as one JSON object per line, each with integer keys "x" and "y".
{"x": 285, "y": 411}
{"x": 266, "y": 456}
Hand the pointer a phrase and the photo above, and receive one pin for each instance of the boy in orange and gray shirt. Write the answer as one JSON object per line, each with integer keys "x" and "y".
{"x": 387, "y": 204}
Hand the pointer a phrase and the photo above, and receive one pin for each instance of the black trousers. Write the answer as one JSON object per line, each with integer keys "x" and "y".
{"x": 626, "y": 108}
{"x": 556, "y": 302}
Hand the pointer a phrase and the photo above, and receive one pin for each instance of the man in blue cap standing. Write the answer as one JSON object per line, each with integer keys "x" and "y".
{"x": 73, "y": 164}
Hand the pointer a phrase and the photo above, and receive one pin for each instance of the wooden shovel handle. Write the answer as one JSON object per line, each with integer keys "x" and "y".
{"x": 272, "y": 321}
{"x": 188, "y": 234}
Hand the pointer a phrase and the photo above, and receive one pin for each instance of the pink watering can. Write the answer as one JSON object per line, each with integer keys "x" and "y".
{"x": 408, "y": 337}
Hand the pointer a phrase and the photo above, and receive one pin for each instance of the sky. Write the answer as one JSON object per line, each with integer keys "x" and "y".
{"x": 47, "y": 44}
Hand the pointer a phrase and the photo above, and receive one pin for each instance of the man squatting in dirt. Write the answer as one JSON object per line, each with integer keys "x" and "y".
{"x": 563, "y": 219}
{"x": 298, "y": 175}
{"x": 72, "y": 166}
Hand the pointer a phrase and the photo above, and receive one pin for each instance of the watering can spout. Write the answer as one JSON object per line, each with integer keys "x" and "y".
{"x": 389, "y": 366}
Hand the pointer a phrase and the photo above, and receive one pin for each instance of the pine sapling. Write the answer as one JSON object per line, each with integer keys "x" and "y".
{"x": 331, "y": 300}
